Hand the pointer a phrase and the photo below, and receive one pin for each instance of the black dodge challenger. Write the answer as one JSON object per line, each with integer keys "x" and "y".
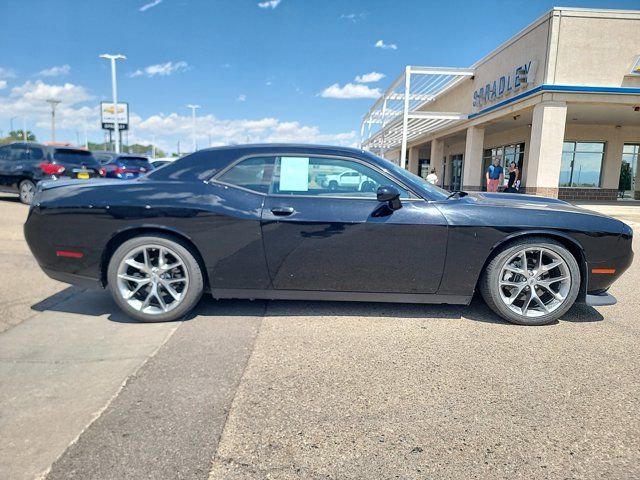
{"x": 322, "y": 223}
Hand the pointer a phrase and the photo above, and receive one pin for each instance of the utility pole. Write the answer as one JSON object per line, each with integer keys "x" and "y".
{"x": 86, "y": 138}
{"x": 193, "y": 126}
{"x": 53, "y": 102}
{"x": 114, "y": 90}
{"x": 24, "y": 129}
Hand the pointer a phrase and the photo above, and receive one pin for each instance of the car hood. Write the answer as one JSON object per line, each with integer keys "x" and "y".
{"x": 529, "y": 202}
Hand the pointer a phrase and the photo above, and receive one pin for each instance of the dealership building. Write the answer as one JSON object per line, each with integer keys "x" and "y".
{"x": 561, "y": 99}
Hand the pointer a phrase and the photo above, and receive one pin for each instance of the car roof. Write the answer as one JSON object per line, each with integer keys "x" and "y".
{"x": 271, "y": 147}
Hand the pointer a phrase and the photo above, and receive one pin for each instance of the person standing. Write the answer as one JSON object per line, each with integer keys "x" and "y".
{"x": 514, "y": 174}
{"x": 494, "y": 176}
{"x": 432, "y": 178}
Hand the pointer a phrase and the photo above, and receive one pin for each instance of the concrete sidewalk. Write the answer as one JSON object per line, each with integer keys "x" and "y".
{"x": 59, "y": 370}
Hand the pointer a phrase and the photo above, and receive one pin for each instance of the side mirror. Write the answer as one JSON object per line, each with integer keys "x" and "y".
{"x": 390, "y": 195}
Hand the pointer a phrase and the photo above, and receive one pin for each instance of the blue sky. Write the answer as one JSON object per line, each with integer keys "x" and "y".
{"x": 258, "y": 67}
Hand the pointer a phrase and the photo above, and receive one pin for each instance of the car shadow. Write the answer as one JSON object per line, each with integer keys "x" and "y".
{"x": 98, "y": 302}
{"x": 9, "y": 198}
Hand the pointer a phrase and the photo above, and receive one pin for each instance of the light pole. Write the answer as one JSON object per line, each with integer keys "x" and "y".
{"x": 24, "y": 129}
{"x": 114, "y": 88}
{"x": 53, "y": 102}
{"x": 193, "y": 121}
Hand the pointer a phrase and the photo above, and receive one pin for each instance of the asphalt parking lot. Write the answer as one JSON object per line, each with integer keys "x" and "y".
{"x": 309, "y": 389}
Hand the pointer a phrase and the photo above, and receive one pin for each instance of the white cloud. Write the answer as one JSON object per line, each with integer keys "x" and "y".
{"x": 168, "y": 129}
{"x": 370, "y": 77}
{"x": 161, "y": 69}
{"x": 7, "y": 73}
{"x": 350, "y": 90}
{"x": 385, "y": 46}
{"x": 242, "y": 98}
{"x": 149, "y": 5}
{"x": 3, "y": 84}
{"x": 29, "y": 100}
{"x": 269, "y": 4}
{"x": 353, "y": 17}
{"x": 55, "y": 71}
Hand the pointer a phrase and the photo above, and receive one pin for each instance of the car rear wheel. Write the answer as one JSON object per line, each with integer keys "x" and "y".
{"x": 155, "y": 279}
{"x": 533, "y": 281}
{"x": 27, "y": 190}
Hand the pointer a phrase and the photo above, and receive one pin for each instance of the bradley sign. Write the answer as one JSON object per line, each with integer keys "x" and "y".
{"x": 520, "y": 79}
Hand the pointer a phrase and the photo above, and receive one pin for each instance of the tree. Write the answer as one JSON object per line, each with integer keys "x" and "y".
{"x": 16, "y": 136}
{"x": 135, "y": 148}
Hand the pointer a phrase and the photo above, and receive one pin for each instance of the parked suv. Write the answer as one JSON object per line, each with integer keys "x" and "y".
{"x": 123, "y": 165}
{"x": 24, "y": 164}
{"x": 349, "y": 180}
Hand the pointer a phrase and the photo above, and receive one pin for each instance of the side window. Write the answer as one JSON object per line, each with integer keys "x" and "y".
{"x": 19, "y": 153}
{"x": 328, "y": 177}
{"x": 36, "y": 154}
{"x": 252, "y": 174}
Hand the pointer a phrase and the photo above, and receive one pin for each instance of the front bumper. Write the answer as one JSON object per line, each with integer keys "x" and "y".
{"x": 601, "y": 300}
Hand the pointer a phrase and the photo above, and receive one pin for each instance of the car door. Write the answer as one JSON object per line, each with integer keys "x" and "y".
{"x": 319, "y": 239}
{"x": 5, "y": 152}
{"x": 17, "y": 164}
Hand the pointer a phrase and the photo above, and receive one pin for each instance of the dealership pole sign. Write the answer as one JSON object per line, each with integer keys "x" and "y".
{"x": 108, "y": 115}
{"x": 521, "y": 77}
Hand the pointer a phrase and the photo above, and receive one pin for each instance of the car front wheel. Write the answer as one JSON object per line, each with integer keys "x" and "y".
{"x": 533, "y": 281}
{"x": 154, "y": 279}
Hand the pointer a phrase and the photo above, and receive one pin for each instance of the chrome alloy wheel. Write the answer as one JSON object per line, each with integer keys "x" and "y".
{"x": 534, "y": 282}
{"x": 152, "y": 279}
{"x": 27, "y": 191}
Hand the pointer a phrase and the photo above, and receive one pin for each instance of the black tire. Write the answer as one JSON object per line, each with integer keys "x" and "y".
{"x": 490, "y": 289}
{"x": 333, "y": 185}
{"x": 194, "y": 288}
{"x": 26, "y": 190}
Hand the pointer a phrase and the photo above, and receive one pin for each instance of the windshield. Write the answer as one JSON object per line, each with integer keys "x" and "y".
{"x": 434, "y": 192}
{"x": 74, "y": 157}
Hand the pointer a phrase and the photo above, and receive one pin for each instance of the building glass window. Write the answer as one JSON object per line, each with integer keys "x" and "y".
{"x": 505, "y": 155}
{"x": 629, "y": 169}
{"x": 581, "y": 164}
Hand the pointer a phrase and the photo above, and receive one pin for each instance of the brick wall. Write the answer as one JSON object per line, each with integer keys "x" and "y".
{"x": 588, "y": 194}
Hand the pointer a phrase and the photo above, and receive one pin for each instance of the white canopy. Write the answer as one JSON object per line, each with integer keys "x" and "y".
{"x": 400, "y": 114}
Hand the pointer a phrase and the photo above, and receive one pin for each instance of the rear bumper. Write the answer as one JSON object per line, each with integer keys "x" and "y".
{"x": 600, "y": 300}
{"x": 74, "y": 279}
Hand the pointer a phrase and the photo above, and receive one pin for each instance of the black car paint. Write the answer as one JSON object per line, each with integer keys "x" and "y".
{"x": 431, "y": 250}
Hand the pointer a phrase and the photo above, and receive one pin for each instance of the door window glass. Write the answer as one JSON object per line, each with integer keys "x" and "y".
{"x": 252, "y": 174}
{"x": 36, "y": 154}
{"x": 19, "y": 153}
{"x": 581, "y": 164}
{"x": 328, "y": 177}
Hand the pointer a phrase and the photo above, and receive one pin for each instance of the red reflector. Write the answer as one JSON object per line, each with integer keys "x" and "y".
{"x": 603, "y": 270}
{"x": 67, "y": 253}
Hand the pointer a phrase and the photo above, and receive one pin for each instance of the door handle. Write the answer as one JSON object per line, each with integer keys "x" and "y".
{"x": 282, "y": 211}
